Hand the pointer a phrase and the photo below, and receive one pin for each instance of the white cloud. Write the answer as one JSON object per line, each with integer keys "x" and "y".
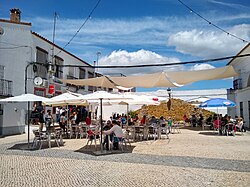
{"x": 126, "y": 58}
{"x": 189, "y": 35}
{"x": 209, "y": 44}
{"x": 197, "y": 67}
{"x": 232, "y": 5}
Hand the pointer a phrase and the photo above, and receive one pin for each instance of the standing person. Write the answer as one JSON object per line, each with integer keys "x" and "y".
{"x": 41, "y": 120}
{"x": 170, "y": 124}
{"x": 57, "y": 114}
{"x": 48, "y": 119}
{"x": 62, "y": 122}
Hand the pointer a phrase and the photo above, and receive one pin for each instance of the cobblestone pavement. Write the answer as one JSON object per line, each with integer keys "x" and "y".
{"x": 192, "y": 158}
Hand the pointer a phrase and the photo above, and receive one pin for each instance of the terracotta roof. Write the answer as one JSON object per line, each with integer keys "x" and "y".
{"x": 39, "y": 36}
{"x": 21, "y": 23}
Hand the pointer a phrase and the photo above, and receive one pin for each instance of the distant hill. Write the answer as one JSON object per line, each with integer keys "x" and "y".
{"x": 178, "y": 109}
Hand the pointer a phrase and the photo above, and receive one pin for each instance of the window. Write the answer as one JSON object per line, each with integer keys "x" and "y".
{"x": 82, "y": 74}
{"x": 41, "y": 57}
{"x": 71, "y": 71}
{"x": 248, "y": 82}
{"x": 241, "y": 109}
{"x": 58, "y": 67}
{"x": 1, "y": 72}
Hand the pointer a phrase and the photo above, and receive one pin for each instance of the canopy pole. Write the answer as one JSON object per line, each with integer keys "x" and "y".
{"x": 127, "y": 115}
{"x": 101, "y": 124}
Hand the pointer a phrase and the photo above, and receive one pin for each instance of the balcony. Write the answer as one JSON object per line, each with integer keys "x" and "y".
{"x": 237, "y": 84}
{"x": 6, "y": 87}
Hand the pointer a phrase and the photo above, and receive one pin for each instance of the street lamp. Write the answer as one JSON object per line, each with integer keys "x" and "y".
{"x": 169, "y": 98}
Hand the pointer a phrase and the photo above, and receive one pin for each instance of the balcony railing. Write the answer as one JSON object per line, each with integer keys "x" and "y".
{"x": 6, "y": 87}
{"x": 237, "y": 84}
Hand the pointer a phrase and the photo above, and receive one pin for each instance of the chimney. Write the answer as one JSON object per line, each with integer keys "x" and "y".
{"x": 15, "y": 15}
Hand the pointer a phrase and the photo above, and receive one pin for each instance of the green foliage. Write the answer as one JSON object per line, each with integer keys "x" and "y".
{"x": 132, "y": 113}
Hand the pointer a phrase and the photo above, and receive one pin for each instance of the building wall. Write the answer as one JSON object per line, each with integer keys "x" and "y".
{"x": 18, "y": 49}
{"x": 16, "y": 52}
{"x": 242, "y": 93}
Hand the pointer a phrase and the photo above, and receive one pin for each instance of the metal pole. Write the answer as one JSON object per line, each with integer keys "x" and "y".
{"x": 25, "y": 91}
{"x": 101, "y": 123}
{"x": 28, "y": 124}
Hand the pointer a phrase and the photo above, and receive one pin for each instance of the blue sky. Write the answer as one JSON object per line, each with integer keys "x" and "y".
{"x": 143, "y": 32}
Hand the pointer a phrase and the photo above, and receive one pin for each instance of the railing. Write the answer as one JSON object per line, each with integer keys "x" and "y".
{"x": 6, "y": 87}
{"x": 237, "y": 84}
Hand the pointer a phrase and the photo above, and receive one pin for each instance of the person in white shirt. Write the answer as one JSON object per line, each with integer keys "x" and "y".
{"x": 57, "y": 114}
{"x": 114, "y": 132}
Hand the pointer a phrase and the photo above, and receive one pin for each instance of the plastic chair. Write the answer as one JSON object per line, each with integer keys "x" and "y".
{"x": 83, "y": 131}
{"x": 151, "y": 132}
{"x": 138, "y": 131}
{"x": 93, "y": 135}
{"x": 39, "y": 137}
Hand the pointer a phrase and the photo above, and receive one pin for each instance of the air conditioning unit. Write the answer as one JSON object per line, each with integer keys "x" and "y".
{"x": 45, "y": 83}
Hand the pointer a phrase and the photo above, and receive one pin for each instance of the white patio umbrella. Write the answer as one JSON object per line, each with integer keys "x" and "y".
{"x": 102, "y": 96}
{"x": 25, "y": 98}
{"x": 132, "y": 99}
{"x": 67, "y": 98}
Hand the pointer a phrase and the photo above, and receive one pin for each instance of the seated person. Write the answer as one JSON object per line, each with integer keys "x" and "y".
{"x": 107, "y": 126}
{"x": 123, "y": 120}
{"x": 143, "y": 120}
{"x": 209, "y": 120}
{"x": 240, "y": 125}
{"x": 194, "y": 120}
{"x": 200, "y": 120}
{"x": 116, "y": 131}
{"x": 152, "y": 120}
{"x": 88, "y": 119}
{"x": 162, "y": 121}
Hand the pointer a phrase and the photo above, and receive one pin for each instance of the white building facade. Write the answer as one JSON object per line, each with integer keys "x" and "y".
{"x": 30, "y": 63}
{"x": 240, "y": 93}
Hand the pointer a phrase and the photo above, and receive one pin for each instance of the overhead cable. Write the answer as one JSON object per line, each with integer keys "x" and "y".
{"x": 165, "y": 64}
{"x": 85, "y": 21}
{"x": 210, "y": 23}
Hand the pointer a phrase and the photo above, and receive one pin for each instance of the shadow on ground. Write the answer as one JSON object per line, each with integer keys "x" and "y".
{"x": 192, "y": 128}
{"x": 95, "y": 151}
{"x": 28, "y": 147}
{"x": 209, "y": 133}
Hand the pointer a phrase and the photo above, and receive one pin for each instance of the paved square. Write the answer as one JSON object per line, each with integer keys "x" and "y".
{"x": 192, "y": 158}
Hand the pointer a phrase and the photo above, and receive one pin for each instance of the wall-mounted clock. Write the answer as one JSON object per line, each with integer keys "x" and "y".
{"x": 38, "y": 81}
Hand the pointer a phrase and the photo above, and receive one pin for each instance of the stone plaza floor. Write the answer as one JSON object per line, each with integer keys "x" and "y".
{"x": 190, "y": 158}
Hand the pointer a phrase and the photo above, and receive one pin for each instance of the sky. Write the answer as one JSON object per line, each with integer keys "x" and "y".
{"x": 134, "y": 32}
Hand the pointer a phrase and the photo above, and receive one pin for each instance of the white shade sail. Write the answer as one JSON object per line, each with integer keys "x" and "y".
{"x": 174, "y": 79}
{"x": 98, "y": 81}
{"x": 161, "y": 79}
{"x": 186, "y": 77}
{"x": 147, "y": 81}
